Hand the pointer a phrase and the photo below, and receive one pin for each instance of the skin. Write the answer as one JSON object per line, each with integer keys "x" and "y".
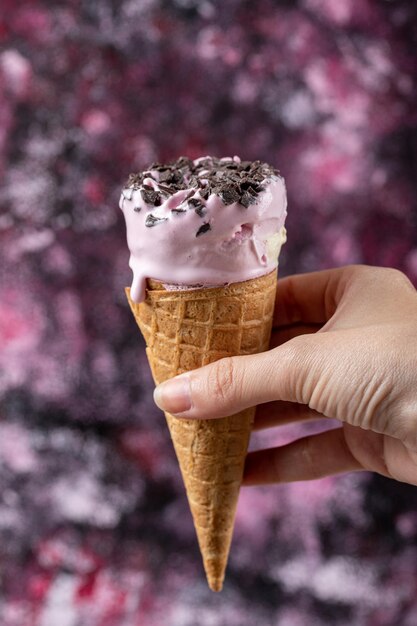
{"x": 344, "y": 346}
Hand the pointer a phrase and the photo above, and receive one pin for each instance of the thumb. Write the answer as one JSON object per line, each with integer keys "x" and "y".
{"x": 235, "y": 383}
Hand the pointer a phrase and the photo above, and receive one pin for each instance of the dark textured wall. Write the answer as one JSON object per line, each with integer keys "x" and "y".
{"x": 94, "y": 526}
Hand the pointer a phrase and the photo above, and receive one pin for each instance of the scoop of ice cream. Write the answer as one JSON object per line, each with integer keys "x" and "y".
{"x": 204, "y": 223}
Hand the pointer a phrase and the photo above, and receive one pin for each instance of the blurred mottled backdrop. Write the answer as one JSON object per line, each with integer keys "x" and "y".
{"x": 94, "y": 524}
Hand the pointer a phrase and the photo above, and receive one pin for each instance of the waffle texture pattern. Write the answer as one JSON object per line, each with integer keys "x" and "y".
{"x": 184, "y": 330}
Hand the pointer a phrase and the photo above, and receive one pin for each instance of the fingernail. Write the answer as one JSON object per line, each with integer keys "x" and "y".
{"x": 174, "y": 395}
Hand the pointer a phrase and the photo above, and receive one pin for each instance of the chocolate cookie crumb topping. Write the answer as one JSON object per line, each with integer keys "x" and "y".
{"x": 232, "y": 181}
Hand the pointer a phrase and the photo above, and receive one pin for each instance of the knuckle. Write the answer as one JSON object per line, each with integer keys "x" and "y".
{"x": 377, "y": 280}
{"x": 372, "y": 273}
{"x": 358, "y": 269}
{"x": 297, "y": 349}
{"x": 298, "y": 355}
{"x": 405, "y": 424}
{"x": 223, "y": 379}
{"x": 399, "y": 279}
{"x": 392, "y": 275}
{"x": 363, "y": 273}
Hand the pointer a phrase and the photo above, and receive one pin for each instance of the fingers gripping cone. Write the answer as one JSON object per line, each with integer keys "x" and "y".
{"x": 185, "y": 330}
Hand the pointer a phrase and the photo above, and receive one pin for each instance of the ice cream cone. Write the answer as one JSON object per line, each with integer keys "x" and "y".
{"x": 184, "y": 330}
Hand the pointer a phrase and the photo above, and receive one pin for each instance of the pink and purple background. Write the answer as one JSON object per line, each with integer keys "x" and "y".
{"x": 94, "y": 525}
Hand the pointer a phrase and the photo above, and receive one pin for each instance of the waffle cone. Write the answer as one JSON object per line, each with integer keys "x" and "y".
{"x": 184, "y": 330}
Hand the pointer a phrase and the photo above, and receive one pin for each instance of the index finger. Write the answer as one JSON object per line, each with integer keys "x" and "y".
{"x": 310, "y": 298}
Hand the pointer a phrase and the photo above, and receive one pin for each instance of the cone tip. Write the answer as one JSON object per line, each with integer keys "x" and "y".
{"x": 215, "y": 584}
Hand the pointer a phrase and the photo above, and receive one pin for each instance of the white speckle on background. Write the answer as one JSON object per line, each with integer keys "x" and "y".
{"x": 338, "y": 580}
{"x": 81, "y": 499}
{"x": 59, "y": 604}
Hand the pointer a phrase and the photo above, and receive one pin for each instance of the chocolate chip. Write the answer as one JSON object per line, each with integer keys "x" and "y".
{"x": 205, "y": 163}
{"x": 198, "y": 206}
{"x": 137, "y": 209}
{"x": 164, "y": 176}
{"x": 246, "y": 199}
{"x": 203, "y": 229}
{"x": 257, "y": 189}
{"x": 178, "y": 210}
{"x": 184, "y": 161}
{"x": 230, "y": 195}
{"x": 135, "y": 180}
{"x": 151, "y": 220}
{"x": 150, "y": 196}
{"x": 195, "y": 202}
{"x": 164, "y": 188}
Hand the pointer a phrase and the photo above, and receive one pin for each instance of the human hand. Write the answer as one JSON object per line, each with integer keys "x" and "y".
{"x": 344, "y": 346}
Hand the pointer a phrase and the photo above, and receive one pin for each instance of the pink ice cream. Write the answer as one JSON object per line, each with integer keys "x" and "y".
{"x": 223, "y": 226}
